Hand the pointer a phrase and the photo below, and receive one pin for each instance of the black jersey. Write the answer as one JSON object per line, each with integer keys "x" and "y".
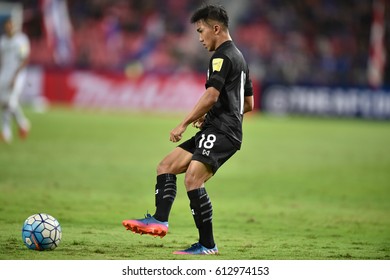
{"x": 228, "y": 73}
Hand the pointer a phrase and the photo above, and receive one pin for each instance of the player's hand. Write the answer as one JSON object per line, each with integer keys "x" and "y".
{"x": 176, "y": 133}
{"x": 199, "y": 122}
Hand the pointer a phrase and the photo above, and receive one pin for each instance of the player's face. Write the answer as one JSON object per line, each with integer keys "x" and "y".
{"x": 206, "y": 35}
{"x": 8, "y": 27}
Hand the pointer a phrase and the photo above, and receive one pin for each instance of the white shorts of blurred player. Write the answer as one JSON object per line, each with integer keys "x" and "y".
{"x": 9, "y": 97}
{"x": 9, "y": 105}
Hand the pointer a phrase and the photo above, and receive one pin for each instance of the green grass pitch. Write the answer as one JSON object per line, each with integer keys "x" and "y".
{"x": 300, "y": 188}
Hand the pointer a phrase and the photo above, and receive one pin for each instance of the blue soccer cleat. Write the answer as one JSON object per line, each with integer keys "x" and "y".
{"x": 147, "y": 225}
{"x": 198, "y": 249}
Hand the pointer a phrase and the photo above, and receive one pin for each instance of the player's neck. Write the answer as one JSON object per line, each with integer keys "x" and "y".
{"x": 10, "y": 34}
{"x": 225, "y": 37}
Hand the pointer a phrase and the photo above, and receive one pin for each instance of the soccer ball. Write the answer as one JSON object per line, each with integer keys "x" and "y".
{"x": 41, "y": 232}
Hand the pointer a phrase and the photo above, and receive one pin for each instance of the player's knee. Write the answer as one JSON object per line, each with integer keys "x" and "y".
{"x": 191, "y": 181}
{"x": 165, "y": 167}
{"x": 161, "y": 167}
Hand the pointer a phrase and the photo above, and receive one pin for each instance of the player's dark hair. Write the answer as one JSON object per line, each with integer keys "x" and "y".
{"x": 213, "y": 12}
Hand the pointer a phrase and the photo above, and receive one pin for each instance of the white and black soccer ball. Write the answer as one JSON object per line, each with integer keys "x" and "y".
{"x": 41, "y": 232}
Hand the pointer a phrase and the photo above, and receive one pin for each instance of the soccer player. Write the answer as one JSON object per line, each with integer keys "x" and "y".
{"x": 14, "y": 53}
{"x": 219, "y": 115}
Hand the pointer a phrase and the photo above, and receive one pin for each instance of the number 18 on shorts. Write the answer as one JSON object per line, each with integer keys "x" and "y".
{"x": 213, "y": 148}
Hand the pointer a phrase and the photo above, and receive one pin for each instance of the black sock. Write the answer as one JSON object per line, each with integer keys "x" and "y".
{"x": 165, "y": 195}
{"x": 202, "y": 210}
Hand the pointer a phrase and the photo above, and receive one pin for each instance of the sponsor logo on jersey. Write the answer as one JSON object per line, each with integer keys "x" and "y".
{"x": 217, "y": 64}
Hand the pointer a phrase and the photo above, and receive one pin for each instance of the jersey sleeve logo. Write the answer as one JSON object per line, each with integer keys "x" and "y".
{"x": 217, "y": 64}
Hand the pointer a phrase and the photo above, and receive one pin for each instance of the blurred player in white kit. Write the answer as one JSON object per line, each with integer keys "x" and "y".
{"x": 14, "y": 54}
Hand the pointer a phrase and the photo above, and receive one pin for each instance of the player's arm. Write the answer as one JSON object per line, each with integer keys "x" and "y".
{"x": 24, "y": 51}
{"x": 206, "y": 101}
{"x": 248, "y": 103}
{"x": 199, "y": 122}
{"x": 21, "y": 66}
{"x": 248, "y": 106}
{"x": 248, "y": 94}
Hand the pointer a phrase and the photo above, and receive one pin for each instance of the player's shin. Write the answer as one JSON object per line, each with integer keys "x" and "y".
{"x": 165, "y": 195}
{"x": 6, "y": 131}
{"x": 202, "y": 211}
{"x": 20, "y": 118}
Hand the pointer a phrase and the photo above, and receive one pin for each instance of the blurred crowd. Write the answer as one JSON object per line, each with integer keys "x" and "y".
{"x": 303, "y": 41}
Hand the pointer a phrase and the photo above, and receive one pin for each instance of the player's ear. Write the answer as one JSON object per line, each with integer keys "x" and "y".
{"x": 217, "y": 29}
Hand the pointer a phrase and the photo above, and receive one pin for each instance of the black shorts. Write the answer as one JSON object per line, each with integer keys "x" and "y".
{"x": 210, "y": 147}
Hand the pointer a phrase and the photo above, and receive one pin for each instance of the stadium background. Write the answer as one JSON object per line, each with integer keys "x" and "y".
{"x": 309, "y": 187}
{"x": 314, "y": 44}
